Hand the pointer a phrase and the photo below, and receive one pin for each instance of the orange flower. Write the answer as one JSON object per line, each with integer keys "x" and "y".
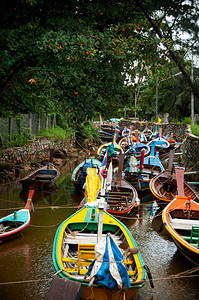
{"x": 76, "y": 93}
{"x": 116, "y": 29}
{"x": 123, "y": 29}
{"x": 75, "y": 125}
{"x": 87, "y": 52}
{"x": 49, "y": 45}
{"x": 114, "y": 43}
{"x": 32, "y": 80}
{"x": 69, "y": 110}
{"x": 59, "y": 47}
{"x": 75, "y": 107}
{"x": 138, "y": 26}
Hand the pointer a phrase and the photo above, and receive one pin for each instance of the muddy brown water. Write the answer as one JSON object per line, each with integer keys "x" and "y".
{"x": 26, "y": 267}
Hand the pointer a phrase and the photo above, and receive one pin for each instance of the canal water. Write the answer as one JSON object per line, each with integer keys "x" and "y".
{"x": 26, "y": 267}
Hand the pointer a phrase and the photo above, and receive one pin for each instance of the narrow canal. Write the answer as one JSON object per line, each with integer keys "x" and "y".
{"x": 26, "y": 262}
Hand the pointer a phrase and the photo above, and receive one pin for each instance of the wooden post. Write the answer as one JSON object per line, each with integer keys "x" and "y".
{"x": 30, "y": 122}
{"x": 38, "y": 123}
{"x": 10, "y": 128}
{"x": 46, "y": 120}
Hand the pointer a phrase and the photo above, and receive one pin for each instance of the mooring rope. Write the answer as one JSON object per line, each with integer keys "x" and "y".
{"x": 170, "y": 277}
{"x": 40, "y": 207}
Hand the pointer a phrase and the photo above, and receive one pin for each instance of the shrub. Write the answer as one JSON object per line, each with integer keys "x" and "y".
{"x": 57, "y": 133}
{"x": 195, "y": 129}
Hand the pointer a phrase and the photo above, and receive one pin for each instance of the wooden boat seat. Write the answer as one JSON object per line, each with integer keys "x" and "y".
{"x": 185, "y": 224}
{"x": 86, "y": 254}
{"x": 82, "y": 238}
{"x": 4, "y": 228}
{"x": 193, "y": 239}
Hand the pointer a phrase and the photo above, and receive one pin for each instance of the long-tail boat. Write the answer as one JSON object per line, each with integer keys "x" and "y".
{"x": 112, "y": 148}
{"x": 164, "y": 185}
{"x": 121, "y": 197}
{"x": 42, "y": 178}
{"x": 136, "y": 148}
{"x": 79, "y": 174}
{"x": 75, "y": 254}
{"x": 181, "y": 219}
{"x": 12, "y": 225}
{"x": 140, "y": 173}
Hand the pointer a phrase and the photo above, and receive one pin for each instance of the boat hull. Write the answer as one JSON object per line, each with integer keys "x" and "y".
{"x": 11, "y": 227}
{"x": 42, "y": 178}
{"x": 109, "y": 223}
{"x": 179, "y": 218}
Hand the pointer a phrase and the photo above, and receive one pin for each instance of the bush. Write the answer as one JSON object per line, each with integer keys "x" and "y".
{"x": 57, "y": 133}
{"x": 186, "y": 120}
{"x": 87, "y": 131}
{"x": 195, "y": 129}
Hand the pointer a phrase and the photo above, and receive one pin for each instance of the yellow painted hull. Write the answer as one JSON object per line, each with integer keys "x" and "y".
{"x": 88, "y": 218}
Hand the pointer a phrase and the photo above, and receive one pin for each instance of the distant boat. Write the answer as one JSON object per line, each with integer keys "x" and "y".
{"x": 12, "y": 225}
{"x": 135, "y": 148}
{"x": 121, "y": 197}
{"x": 164, "y": 185}
{"x": 74, "y": 252}
{"x": 79, "y": 174}
{"x": 140, "y": 173}
{"x": 42, "y": 178}
{"x": 181, "y": 219}
{"x": 112, "y": 149}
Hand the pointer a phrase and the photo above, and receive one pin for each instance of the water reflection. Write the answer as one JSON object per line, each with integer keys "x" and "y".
{"x": 29, "y": 257}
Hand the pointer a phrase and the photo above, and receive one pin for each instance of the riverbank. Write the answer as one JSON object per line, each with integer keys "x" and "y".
{"x": 17, "y": 162}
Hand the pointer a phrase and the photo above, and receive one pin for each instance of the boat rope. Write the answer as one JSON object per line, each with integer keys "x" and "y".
{"x": 81, "y": 145}
{"x": 193, "y": 166}
{"x": 45, "y": 226}
{"x": 40, "y": 207}
{"x": 170, "y": 178}
{"x": 171, "y": 277}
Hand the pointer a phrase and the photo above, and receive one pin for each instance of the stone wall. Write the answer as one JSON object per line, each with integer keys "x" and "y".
{"x": 191, "y": 155}
{"x": 37, "y": 150}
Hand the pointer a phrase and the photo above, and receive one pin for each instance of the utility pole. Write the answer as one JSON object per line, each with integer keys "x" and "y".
{"x": 192, "y": 95}
{"x": 156, "y": 102}
{"x": 135, "y": 104}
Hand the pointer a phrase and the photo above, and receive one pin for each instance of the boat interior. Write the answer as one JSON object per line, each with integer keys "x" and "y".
{"x": 78, "y": 251}
{"x": 6, "y": 226}
{"x": 186, "y": 225}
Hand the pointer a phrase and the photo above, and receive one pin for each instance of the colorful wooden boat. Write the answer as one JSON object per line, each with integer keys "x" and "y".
{"x": 137, "y": 147}
{"x": 160, "y": 142}
{"x": 121, "y": 197}
{"x": 112, "y": 148}
{"x": 181, "y": 219}
{"x": 42, "y": 178}
{"x": 12, "y": 225}
{"x": 74, "y": 250}
{"x": 139, "y": 173}
{"x": 164, "y": 185}
{"x": 78, "y": 176}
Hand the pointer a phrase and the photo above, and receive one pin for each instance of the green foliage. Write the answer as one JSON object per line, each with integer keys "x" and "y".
{"x": 195, "y": 129}
{"x": 20, "y": 138}
{"x": 88, "y": 131}
{"x": 77, "y": 58}
{"x": 186, "y": 120}
{"x": 56, "y": 133}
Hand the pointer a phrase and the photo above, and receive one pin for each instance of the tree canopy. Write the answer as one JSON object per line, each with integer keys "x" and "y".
{"x": 82, "y": 58}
